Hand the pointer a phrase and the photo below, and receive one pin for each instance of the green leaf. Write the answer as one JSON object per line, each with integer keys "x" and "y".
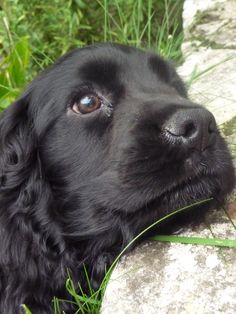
{"x": 18, "y": 61}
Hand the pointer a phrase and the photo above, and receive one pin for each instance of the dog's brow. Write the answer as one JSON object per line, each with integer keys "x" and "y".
{"x": 100, "y": 72}
{"x": 159, "y": 67}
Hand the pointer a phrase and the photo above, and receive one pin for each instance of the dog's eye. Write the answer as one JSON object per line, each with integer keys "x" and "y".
{"x": 87, "y": 104}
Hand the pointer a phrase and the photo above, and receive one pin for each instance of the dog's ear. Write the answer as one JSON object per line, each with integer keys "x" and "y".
{"x": 16, "y": 141}
{"x": 26, "y": 201}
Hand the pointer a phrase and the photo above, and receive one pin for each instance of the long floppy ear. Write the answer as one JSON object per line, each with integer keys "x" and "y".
{"x": 26, "y": 201}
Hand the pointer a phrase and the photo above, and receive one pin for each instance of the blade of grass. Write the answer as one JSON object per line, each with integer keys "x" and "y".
{"x": 195, "y": 240}
{"x": 150, "y": 14}
{"x": 146, "y": 27}
{"x": 230, "y": 219}
{"x": 88, "y": 281}
{"x": 105, "y": 20}
{"x": 26, "y": 309}
{"x": 6, "y": 25}
{"x": 56, "y": 305}
{"x": 109, "y": 15}
{"x": 71, "y": 289}
{"x": 195, "y": 74}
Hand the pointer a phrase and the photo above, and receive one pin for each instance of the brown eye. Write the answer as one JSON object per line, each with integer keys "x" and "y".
{"x": 87, "y": 104}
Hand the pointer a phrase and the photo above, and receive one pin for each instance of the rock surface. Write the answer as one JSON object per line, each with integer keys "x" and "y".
{"x": 176, "y": 278}
{"x": 210, "y": 55}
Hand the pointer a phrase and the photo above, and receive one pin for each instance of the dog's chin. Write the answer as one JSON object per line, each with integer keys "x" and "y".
{"x": 197, "y": 178}
{"x": 188, "y": 191}
{"x": 170, "y": 191}
{"x": 189, "y": 203}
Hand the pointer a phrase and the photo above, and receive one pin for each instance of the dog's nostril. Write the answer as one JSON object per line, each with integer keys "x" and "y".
{"x": 189, "y": 129}
{"x": 185, "y": 128}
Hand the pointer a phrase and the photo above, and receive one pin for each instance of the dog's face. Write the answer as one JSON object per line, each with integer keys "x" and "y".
{"x": 116, "y": 131}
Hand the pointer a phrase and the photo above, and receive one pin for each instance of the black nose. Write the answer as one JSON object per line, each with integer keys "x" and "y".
{"x": 195, "y": 128}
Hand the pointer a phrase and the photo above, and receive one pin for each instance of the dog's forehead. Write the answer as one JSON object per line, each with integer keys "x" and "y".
{"x": 103, "y": 63}
{"x": 114, "y": 70}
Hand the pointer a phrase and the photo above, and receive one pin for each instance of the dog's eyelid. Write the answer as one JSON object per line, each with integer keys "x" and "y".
{"x": 82, "y": 89}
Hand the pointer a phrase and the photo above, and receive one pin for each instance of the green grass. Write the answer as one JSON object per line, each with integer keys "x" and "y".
{"x": 151, "y": 24}
{"x": 14, "y": 72}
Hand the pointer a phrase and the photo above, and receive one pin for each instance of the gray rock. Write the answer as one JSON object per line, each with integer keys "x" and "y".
{"x": 209, "y": 50}
{"x": 213, "y": 25}
{"x": 215, "y": 87}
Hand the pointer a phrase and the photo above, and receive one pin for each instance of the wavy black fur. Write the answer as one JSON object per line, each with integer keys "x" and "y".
{"x": 76, "y": 189}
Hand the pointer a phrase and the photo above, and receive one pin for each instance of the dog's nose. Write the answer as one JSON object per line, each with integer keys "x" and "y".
{"x": 194, "y": 128}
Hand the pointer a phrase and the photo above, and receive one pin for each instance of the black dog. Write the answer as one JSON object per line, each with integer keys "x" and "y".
{"x": 100, "y": 145}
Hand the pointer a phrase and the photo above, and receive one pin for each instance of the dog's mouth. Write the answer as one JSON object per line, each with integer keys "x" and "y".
{"x": 173, "y": 181}
{"x": 194, "y": 169}
{"x": 177, "y": 194}
{"x": 186, "y": 171}
{"x": 196, "y": 181}
{"x": 186, "y": 203}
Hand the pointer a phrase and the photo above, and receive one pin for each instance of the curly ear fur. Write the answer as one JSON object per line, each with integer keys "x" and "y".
{"x": 33, "y": 249}
{"x": 27, "y": 232}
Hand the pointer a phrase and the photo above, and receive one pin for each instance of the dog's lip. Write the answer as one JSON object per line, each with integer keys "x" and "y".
{"x": 190, "y": 181}
{"x": 191, "y": 176}
{"x": 168, "y": 197}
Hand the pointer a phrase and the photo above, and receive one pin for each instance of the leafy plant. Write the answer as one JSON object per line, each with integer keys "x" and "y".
{"x": 14, "y": 72}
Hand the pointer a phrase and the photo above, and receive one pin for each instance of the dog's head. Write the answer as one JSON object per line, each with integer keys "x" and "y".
{"x": 109, "y": 128}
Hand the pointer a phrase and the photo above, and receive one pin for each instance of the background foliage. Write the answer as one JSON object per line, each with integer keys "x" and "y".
{"x": 34, "y": 33}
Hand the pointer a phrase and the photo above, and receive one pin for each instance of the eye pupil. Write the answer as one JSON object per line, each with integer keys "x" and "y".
{"x": 88, "y": 101}
{"x": 87, "y": 104}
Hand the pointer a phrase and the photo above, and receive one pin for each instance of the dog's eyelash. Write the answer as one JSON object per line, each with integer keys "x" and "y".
{"x": 107, "y": 107}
